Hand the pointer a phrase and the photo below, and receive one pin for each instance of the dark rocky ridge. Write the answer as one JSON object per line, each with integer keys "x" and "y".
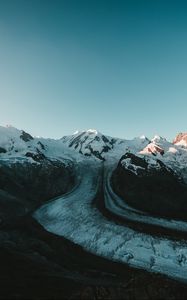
{"x": 157, "y": 191}
{"x": 26, "y": 137}
{"x": 2, "y": 150}
{"x": 24, "y": 186}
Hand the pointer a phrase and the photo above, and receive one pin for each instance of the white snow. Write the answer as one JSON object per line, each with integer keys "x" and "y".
{"x": 92, "y": 131}
{"x": 127, "y": 163}
{"x": 74, "y": 217}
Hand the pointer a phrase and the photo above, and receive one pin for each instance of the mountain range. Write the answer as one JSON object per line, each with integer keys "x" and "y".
{"x": 112, "y": 207}
{"x": 17, "y": 145}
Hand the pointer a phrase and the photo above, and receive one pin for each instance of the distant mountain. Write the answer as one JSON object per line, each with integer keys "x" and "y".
{"x": 156, "y": 146}
{"x": 90, "y": 142}
{"x": 181, "y": 139}
{"x": 93, "y": 143}
{"x": 14, "y": 142}
{"x": 20, "y": 145}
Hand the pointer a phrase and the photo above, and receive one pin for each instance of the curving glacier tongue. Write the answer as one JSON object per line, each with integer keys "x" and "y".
{"x": 74, "y": 217}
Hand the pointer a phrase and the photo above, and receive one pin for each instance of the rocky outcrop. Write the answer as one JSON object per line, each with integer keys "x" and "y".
{"x": 2, "y": 150}
{"x": 25, "y": 186}
{"x": 150, "y": 186}
{"x": 153, "y": 149}
{"x": 38, "y": 156}
{"x": 26, "y": 137}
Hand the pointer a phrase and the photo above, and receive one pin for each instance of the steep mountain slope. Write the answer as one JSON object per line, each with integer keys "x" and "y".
{"x": 158, "y": 145}
{"x": 17, "y": 143}
{"x": 93, "y": 143}
{"x": 153, "y": 178}
{"x": 90, "y": 143}
{"x": 31, "y": 172}
{"x": 149, "y": 185}
{"x": 181, "y": 139}
{"x": 173, "y": 155}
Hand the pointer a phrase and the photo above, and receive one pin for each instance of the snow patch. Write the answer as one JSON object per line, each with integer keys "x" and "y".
{"x": 127, "y": 164}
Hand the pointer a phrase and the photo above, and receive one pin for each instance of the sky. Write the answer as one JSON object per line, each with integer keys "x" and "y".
{"x": 117, "y": 66}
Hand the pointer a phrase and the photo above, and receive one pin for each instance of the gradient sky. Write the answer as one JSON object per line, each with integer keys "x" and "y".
{"x": 117, "y": 66}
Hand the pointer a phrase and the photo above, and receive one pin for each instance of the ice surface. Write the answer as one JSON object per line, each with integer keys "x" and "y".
{"x": 76, "y": 219}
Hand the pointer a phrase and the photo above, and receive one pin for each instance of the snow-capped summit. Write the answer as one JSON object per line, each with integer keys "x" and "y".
{"x": 76, "y": 131}
{"x": 92, "y": 131}
{"x": 156, "y": 146}
{"x": 93, "y": 143}
{"x": 89, "y": 142}
{"x": 181, "y": 139}
{"x": 13, "y": 138}
{"x": 18, "y": 143}
{"x": 152, "y": 148}
{"x": 158, "y": 139}
{"x": 143, "y": 137}
{"x": 15, "y": 143}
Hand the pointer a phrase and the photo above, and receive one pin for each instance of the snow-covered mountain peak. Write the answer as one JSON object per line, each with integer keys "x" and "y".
{"x": 9, "y": 129}
{"x": 88, "y": 131}
{"x": 8, "y": 133}
{"x": 92, "y": 131}
{"x": 18, "y": 143}
{"x": 181, "y": 139}
{"x": 76, "y": 132}
{"x": 143, "y": 137}
{"x": 158, "y": 139}
{"x": 157, "y": 146}
{"x": 90, "y": 143}
{"x": 152, "y": 148}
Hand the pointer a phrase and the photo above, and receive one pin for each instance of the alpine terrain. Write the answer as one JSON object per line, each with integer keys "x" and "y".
{"x": 90, "y": 216}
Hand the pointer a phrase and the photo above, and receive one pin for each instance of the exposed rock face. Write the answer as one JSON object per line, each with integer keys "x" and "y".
{"x": 154, "y": 149}
{"x": 181, "y": 137}
{"x": 2, "y": 150}
{"x": 26, "y": 137}
{"x": 155, "y": 146}
{"x": 93, "y": 143}
{"x": 24, "y": 186}
{"x": 41, "y": 145}
{"x": 38, "y": 156}
{"x": 90, "y": 143}
{"x": 150, "y": 186}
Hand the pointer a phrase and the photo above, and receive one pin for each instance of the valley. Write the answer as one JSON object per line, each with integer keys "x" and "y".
{"x": 69, "y": 217}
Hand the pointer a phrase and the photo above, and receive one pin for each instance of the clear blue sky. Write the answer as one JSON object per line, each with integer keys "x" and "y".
{"x": 117, "y": 66}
